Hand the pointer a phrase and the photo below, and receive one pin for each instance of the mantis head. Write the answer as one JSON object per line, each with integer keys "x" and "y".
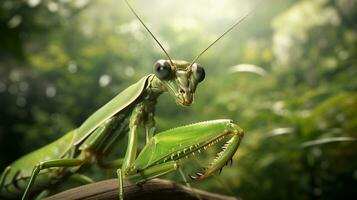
{"x": 180, "y": 78}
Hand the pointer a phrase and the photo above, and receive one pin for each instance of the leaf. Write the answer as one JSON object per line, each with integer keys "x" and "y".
{"x": 280, "y": 131}
{"x": 326, "y": 141}
{"x": 248, "y": 68}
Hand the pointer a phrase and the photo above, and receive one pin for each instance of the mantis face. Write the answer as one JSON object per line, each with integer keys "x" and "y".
{"x": 180, "y": 79}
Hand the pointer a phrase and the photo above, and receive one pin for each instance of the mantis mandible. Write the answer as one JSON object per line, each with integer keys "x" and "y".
{"x": 125, "y": 114}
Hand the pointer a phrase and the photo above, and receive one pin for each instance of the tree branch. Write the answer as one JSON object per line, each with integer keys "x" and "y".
{"x": 153, "y": 189}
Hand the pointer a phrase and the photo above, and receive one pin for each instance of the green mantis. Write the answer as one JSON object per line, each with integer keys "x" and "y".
{"x": 126, "y": 113}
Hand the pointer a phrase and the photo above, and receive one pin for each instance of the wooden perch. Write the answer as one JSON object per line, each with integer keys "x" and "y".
{"x": 153, "y": 189}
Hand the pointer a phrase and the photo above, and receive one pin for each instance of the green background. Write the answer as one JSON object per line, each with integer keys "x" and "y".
{"x": 61, "y": 60}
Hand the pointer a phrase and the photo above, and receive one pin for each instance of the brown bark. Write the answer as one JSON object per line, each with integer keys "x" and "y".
{"x": 153, "y": 189}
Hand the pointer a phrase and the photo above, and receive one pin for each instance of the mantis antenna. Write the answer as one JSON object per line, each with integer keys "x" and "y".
{"x": 227, "y": 31}
{"x": 152, "y": 35}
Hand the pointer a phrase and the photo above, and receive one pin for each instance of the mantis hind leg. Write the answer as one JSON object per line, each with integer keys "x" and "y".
{"x": 80, "y": 179}
{"x": 43, "y": 194}
{"x": 45, "y": 165}
{"x": 3, "y": 176}
{"x": 121, "y": 184}
{"x": 117, "y": 163}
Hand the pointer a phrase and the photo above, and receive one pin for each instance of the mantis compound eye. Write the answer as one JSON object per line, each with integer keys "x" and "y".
{"x": 199, "y": 72}
{"x": 162, "y": 70}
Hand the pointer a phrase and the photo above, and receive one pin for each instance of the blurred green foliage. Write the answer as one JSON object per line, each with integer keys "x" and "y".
{"x": 61, "y": 60}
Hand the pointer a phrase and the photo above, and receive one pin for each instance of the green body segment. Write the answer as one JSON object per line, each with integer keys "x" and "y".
{"x": 20, "y": 172}
{"x": 113, "y": 107}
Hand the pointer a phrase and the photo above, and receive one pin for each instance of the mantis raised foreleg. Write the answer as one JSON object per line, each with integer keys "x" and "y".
{"x": 163, "y": 152}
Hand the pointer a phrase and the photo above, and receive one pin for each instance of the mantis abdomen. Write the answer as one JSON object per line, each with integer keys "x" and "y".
{"x": 19, "y": 172}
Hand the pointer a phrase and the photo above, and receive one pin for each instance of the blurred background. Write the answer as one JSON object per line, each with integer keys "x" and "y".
{"x": 287, "y": 76}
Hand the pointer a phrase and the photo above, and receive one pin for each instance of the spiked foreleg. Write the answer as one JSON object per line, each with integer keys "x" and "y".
{"x": 182, "y": 142}
{"x": 164, "y": 150}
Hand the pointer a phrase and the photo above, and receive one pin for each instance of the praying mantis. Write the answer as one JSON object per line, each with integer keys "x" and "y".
{"x": 130, "y": 110}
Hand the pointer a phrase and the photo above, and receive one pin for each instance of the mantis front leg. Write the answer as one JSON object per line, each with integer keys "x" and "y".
{"x": 163, "y": 153}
